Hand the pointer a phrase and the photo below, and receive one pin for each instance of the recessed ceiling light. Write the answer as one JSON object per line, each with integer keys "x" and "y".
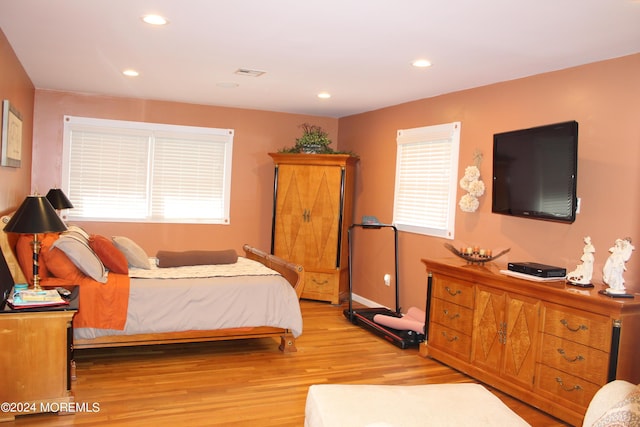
{"x": 324, "y": 95}
{"x": 421, "y": 63}
{"x": 131, "y": 73}
{"x": 155, "y": 20}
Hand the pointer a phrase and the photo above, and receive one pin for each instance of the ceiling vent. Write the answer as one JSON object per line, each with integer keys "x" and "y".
{"x": 249, "y": 73}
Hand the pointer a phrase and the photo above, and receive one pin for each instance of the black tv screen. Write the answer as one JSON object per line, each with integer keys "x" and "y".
{"x": 535, "y": 172}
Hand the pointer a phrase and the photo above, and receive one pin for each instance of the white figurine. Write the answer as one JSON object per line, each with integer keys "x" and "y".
{"x": 584, "y": 272}
{"x": 615, "y": 265}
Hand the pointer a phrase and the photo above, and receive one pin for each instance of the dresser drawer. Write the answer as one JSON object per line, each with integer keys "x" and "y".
{"x": 565, "y": 386}
{"x": 320, "y": 283}
{"x": 452, "y": 290}
{"x": 452, "y": 315}
{"x": 450, "y": 340}
{"x": 581, "y": 327}
{"x": 578, "y": 359}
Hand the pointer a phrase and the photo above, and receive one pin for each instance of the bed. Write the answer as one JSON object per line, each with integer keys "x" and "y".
{"x": 283, "y": 310}
{"x": 173, "y": 305}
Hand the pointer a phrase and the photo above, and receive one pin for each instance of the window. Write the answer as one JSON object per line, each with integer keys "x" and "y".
{"x": 146, "y": 172}
{"x": 426, "y": 180}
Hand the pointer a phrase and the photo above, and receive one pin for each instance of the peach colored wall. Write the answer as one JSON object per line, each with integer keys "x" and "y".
{"x": 256, "y": 134}
{"x": 16, "y": 86}
{"x": 604, "y": 98}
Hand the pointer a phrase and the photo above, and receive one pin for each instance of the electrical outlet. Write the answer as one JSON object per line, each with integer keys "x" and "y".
{"x": 387, "y": 279}
{"x": 578, "y": 205}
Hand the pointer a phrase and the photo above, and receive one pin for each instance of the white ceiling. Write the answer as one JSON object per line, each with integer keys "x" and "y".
{"x": 358, "y": 50}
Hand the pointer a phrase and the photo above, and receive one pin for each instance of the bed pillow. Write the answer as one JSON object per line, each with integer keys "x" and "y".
{"x": 624, "y": 413}
{"x": 136, "y": 256}
{"x": 61, "y": 266}
{"x": 111, "y": 257}
{"x": 82, "y": 256}
{"x": 178, "y": 259}
{"x": 77, "y": 231}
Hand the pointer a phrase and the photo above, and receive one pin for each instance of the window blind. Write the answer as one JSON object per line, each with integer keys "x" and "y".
{"x": 131, "y": 171}
{"x": 425, "y": 190}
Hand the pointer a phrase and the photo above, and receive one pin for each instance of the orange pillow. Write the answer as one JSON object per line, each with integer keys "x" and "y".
{"x": 24, "y": 253}
{"x": 61, "y": 266}
{"x": 111, "y": 257}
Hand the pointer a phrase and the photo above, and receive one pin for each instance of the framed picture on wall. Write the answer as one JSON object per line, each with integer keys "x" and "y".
{"x": 11, "y": 136}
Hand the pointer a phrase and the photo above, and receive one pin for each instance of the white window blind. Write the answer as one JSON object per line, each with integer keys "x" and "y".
{"x": 426, "y": 181}
{"x": 131, "y": 171}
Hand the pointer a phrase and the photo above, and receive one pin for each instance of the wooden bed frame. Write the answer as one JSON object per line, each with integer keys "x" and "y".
{"x": 294, "y": 274}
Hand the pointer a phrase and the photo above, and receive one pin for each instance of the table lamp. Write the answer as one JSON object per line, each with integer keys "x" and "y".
{"x": 35, "y": 216}
{"x": 58, "y": 199}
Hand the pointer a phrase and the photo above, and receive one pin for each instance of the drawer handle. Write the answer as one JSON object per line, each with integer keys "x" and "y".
{"x": 574, "y": 388}
{"x": 451, "y": 316}
{"x": 579, "y": 328}
{"x": 575, "y": 359}
{"x": 452, "y": 293}
{"x": 324, "y": 282}
{"x": 446, "y": 336}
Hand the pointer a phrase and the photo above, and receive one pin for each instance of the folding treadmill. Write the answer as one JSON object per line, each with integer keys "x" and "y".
{"x": 364, "y": 317}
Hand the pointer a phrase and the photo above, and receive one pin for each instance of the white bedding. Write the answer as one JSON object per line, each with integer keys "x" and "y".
{"x": 260, "y": 297}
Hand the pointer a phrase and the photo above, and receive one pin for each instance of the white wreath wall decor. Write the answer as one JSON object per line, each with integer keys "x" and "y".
{"x": 472, "y": 184}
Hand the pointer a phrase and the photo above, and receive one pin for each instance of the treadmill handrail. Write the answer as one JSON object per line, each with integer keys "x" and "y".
{"x": 375, "y": 226}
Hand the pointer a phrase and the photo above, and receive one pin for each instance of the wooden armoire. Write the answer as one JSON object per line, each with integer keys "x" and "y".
{"x": 312, "y": 212}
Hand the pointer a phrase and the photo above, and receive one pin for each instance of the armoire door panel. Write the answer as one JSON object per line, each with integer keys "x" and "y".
{"x": 289, "y": 216}
{"x": 324, "y": 218}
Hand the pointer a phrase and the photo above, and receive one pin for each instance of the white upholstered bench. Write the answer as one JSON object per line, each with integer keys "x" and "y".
{"x": 459, "y": 405}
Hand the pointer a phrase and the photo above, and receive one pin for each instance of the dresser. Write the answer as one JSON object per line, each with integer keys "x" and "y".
{"x": 312, "y": 211}
{"x": 549, "y": 344}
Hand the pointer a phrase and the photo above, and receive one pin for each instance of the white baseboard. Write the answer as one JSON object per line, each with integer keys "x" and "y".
{"x": 366, "y": 302}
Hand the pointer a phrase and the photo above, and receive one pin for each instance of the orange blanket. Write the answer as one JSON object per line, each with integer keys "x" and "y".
{"x": 102, "y": 305}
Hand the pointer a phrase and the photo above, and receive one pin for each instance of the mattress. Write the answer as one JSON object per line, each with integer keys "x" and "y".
{"x": 174, "y": 303}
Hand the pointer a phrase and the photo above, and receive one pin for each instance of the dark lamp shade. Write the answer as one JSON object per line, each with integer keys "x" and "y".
{"x": 35, "y": 215}
{"x": 58, "y": 199}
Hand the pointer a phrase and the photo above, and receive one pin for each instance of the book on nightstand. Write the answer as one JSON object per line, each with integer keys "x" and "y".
{"x": 30, "y": 298}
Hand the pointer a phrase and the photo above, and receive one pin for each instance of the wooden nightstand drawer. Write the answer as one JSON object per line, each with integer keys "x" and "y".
{"x": 450, "y": 340}
{"x": 565, "y": 386}
{"x": 584, "y": 328}
{"x": 579, "y": 360}
{"x": 452, "y": 315}
{"x": 452, "y": 290}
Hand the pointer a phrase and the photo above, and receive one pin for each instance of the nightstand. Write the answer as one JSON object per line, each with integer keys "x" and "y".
{"x": 36, "y": 357}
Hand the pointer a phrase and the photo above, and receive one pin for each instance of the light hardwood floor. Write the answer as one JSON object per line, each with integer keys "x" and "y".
{"x": 244, "y": 383}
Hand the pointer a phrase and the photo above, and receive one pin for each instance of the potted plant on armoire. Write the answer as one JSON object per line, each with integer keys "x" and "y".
{"x": 312, "y": 212}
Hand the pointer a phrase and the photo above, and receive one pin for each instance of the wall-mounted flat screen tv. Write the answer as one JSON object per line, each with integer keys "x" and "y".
{"x": 535, "y": 172}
